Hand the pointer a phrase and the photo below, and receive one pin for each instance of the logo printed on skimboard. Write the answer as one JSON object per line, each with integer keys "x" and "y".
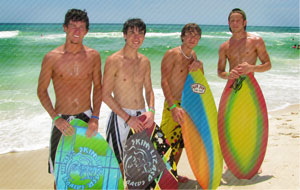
{"x": 198, "y": 88}
{"x": 81, "y": 166}
{"x": 141, "y": 163}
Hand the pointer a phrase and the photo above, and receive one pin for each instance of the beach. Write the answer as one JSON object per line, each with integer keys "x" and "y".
{"x": 28, "y": 170}
{"x": 25, "y": 126}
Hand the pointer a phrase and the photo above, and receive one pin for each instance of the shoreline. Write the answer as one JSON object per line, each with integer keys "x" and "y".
{"x": 29, "y": 169}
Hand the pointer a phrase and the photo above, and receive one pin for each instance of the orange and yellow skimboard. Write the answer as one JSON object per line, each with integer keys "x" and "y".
{"x": 243, "y": 126}
{"x": 200, "y": 131}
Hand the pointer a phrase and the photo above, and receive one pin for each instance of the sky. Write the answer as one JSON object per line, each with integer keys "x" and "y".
{"x": 204, "y": 12}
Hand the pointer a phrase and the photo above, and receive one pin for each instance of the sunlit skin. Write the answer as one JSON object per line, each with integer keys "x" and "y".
{"x": 174, "y": 70}
{"x": 73, "y": 68}
{"x": 126, "y": 73}
{"x": 242, "y": 51}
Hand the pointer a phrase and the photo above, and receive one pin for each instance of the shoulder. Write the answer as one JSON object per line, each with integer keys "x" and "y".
{"x": 256, "y": 40}
{"x": 54, "y": 54}
{"x": 143, "y": 58}
{"x": 173, "y": 54}
{"x": 91, "y": 52}
{"x": 225, "y": 45}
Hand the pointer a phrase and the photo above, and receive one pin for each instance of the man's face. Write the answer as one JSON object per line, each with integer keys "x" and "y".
{"x": 191, "y": 38}
{"x": 134, "y": 37}
{"x": 76, "y": 30}
{"x": 236, "y": 22}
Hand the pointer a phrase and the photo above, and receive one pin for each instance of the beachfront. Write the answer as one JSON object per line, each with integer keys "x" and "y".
{"x": 28, "y": 170}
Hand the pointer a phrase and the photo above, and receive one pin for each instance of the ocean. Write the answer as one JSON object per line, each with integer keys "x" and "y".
{"x": 25, "y": 125}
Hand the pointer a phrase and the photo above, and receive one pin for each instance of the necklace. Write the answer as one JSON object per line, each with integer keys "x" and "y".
{"x": 190, "y": 57}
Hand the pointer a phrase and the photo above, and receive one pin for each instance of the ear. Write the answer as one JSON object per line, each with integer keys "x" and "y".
{"x": 245, "y": 22}
{"x": 65, "y": 28}
{"x": 125, "y": 36}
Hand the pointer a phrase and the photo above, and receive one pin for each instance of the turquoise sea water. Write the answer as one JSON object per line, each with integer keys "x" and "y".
{"x": 24, "y": 125}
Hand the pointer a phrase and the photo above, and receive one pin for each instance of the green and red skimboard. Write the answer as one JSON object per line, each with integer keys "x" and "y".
{"x": 243, "y": 126}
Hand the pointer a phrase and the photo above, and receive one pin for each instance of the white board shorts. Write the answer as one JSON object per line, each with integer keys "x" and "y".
{"x": 117, "y": 132}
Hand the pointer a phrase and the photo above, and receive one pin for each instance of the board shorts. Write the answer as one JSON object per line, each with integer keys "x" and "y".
{"x": 56, "y": 134}
{"x": 171, "y": 129}
{"x": 117, "y": 132}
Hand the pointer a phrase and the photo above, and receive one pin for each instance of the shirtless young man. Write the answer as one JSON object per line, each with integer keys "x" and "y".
{"x": 73, "y": 69}
{"x": 126, "y": 73}
{"x": 241, "y": 50}
{"x": 175, "y": 66}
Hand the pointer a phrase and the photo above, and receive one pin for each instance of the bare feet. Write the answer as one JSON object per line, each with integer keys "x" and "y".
{"x": 182, "y": 179}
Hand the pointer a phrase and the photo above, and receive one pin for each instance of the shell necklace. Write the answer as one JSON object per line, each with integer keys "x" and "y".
{"x": 190, "y": 57}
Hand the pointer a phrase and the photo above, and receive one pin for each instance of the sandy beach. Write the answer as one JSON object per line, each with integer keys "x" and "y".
{"x": 28, "y": 170}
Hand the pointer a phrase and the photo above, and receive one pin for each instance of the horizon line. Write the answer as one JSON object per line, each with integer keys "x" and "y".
{"x": 2, "y": 23}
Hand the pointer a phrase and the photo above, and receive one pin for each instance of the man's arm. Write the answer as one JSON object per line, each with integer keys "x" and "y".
{"x": 42, "y": 92}
{"x": 167, "y": 66}
{"x": 97, "y": 96}
{"x": 263, "y": 57}
{"x": 110, "y": 69}
{"x": 233, "y": 74}
{"x": 149, "y": 96}
{"x": 43, "y": 84}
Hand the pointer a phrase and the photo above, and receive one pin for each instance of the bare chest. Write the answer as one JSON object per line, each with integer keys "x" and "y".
{"x": 131, "y": 72}
{"x": 241, "y": 51}
{"x": 73, "y": 67}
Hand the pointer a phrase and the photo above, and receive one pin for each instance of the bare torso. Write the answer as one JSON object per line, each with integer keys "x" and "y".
{"x": 178, "y": 74}
{"x": 129, "y": 80}
{"x": 242, "y": 50}
{"x": 72, "y": 80}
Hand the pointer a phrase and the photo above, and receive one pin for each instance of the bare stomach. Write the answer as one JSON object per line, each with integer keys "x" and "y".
{"x": 130, "y": 101}
{"x": 72, "y": 99}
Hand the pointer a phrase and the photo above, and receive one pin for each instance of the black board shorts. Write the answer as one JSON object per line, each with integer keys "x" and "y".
{"x": 56, "y": 134}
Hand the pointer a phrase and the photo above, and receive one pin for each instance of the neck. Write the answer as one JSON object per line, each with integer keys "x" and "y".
{"x": 239, "y": 35}
{"x": 129, "y": 52}
{"x": 73, "y": 48}
{"x": 185, "y": 51}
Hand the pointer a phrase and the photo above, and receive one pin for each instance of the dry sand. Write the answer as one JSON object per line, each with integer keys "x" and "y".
{"x": 28, "y": 170}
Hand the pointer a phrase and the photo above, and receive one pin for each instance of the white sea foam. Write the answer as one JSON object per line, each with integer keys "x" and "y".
{"x": 9, "y": 34}
{"x": 120, "y": 34}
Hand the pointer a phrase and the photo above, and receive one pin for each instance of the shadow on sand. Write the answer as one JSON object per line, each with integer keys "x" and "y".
{"x": 191, "y": 184}
{"x": 228, "y": 179}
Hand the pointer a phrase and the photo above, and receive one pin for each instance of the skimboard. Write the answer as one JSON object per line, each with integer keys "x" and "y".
{"x": 157, "y": 151}
{"x": 243, "y": 126}
{"x": 86, "y": 163}
{"x": 200, "y": 131}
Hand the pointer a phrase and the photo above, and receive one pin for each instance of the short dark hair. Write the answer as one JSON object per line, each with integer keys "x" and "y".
{"x": 77, "y": 15}
{"x": 240, "y": 11}
{"x": 134, "y": 22}
{"x": 190, "y": 27}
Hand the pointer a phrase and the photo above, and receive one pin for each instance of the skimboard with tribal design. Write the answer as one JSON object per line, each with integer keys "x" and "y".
{"x": 86, "y": 163}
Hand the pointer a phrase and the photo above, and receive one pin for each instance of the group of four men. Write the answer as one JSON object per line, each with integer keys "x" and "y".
{"x": 74, "y": 68}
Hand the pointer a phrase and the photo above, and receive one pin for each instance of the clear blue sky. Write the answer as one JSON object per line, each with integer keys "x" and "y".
{"x": 213, "y": 12}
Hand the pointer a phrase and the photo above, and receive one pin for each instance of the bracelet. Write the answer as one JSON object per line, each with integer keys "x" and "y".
{"x": 228, "y": 73}
{"x": 128, "y": 119}
{"x": 56, "y": 118}
{"x": 96, "y": 117}
{"x": 174, "y": 106}
{"x": 152, "y": 110}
